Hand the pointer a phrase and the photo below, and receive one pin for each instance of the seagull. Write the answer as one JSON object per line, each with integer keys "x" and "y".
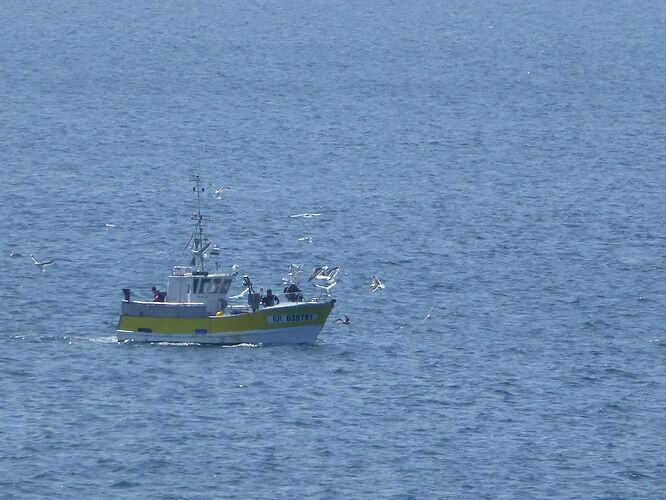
{"x": 376, "y": 284}
{"x": 240, "y": 295}
{"x": 428, "y": 315}
{"x": 305, "y": 238}
{"x": 217, "y": 192}
{"x": 323, "y": 273}
{"x": 295, "y": 269}
{"x": 306, "y": 215}
{"x": 316, "y": 271}
{"x": 42, "y": 265}
{"x": 327, "y": 287}
{"x": 345, "y": 320}
{"x": 293, "y": 275}
{"x": 328, "y": 275}
{"x": 234, "y": 269}
{"x": 199, "y": 252}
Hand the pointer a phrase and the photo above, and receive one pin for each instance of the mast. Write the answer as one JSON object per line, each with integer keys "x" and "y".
{"x": 198, "y": 247}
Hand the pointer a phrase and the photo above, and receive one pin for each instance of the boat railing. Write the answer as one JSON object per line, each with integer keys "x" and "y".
{"x": 164, "y": 309}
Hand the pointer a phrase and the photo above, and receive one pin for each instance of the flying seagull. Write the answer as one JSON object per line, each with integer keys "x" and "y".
{"x": 218, "y": 191}
{"x": 345, "y": 320}
{"x": 42, "y": 265}
{"x": 316, "y": 271}
{"x": 295, "y": 269}
{"x": 240, "y": 295}
{"x": 199, "y": 252}
{"x": 376, "y": 284}
{"x": 327, "y": 287}
{"x": 428, "y": 315}
{"x": 323, "y": 273}
{"x": 294, "y": 273}
{"x": 306, "y": 215}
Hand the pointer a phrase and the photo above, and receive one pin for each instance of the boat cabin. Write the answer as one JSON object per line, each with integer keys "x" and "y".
{"x": 186, "y": 285}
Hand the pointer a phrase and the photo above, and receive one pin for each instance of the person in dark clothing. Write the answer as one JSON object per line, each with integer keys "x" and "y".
{"x": 269, "y": 299}
{"x": 293, "y": 293}
{"x": 157, "y": 295}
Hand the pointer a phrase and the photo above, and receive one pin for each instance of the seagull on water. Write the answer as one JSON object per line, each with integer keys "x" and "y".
{"x": 345, "y": 320}
{"x": 376, "y": 284}
{"x": 42, "y": 265}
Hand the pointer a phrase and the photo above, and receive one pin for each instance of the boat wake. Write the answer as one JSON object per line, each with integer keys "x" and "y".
{"x": 70, "y": 339}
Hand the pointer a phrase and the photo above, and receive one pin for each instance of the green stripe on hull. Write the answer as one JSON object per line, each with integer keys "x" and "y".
{"x": 286, "y": 316}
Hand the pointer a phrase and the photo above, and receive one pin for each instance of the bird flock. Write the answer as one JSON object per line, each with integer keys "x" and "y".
{"x": 322, "y": 277}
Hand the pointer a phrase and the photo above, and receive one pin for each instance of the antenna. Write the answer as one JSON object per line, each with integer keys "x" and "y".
{"x": 199, "y": 248}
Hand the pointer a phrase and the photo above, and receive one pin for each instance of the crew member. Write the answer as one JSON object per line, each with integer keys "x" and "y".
{"x": 269, "y": 299}
{"x": 293, "y": 293}
{"x": 157, "y": 295}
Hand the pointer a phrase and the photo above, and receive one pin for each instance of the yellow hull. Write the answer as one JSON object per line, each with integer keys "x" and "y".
{"x": 291, "y": 323}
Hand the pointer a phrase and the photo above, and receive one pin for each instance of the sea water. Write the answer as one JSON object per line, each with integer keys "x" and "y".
{"x": 499, "y": 165}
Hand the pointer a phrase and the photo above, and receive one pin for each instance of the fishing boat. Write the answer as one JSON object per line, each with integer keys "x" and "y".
{"x": 196, "y": 307}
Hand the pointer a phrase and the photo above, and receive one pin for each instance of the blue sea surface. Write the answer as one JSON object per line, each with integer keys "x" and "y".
{"x": 500, "y": 165}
